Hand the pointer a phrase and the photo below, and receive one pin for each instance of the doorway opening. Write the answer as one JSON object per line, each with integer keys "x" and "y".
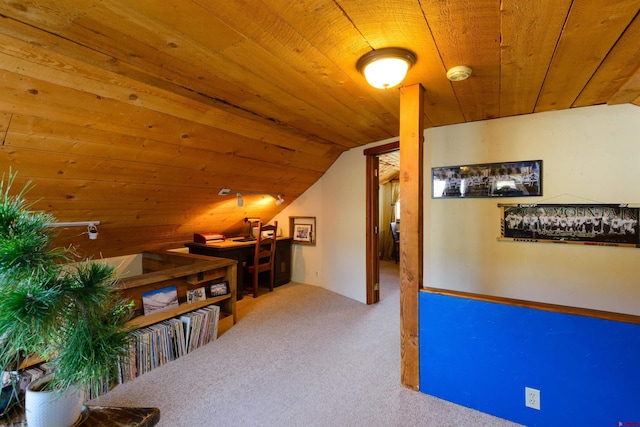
{"x": 380, "y": 160}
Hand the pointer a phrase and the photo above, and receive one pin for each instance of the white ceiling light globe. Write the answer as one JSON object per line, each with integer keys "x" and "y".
{"x": 387, "y": 67}
{"x": 386, "y": 73}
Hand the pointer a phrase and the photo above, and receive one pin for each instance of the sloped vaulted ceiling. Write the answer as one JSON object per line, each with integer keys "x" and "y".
{"x": 137, "y": 113}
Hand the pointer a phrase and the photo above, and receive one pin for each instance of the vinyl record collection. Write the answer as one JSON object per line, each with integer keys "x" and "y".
{"x": 164, "y": 342}
{"x": 150, "y": 347}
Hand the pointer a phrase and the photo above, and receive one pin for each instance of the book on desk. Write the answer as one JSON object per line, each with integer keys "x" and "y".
{"x": 209, "y": 237}
{"x": 212, "y": 237}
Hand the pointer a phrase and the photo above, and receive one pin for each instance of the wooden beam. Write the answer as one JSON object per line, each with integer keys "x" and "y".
{"x": 411, "y": 186}
{"x": 477, "y": 46}
{"x": 622, "y": 62}
{"x": 382, "y": 149}
{"x": 586, "y": 39}
{"x": 628, "y": 92}
{"x": 526, "y": 50}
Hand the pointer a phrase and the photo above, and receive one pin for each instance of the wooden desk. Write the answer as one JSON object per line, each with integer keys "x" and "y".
{"x": 242, "y": 252}
{"x": 100, "y": 416}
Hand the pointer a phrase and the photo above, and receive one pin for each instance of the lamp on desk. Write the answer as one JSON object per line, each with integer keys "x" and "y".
{"x": 251, "y": 221}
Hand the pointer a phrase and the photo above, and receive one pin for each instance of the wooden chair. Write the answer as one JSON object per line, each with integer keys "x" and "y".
{"x": 395, "y": 235}
{"x": 264, "y": 255}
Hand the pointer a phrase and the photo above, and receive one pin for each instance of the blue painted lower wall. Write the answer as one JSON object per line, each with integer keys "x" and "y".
{"x": 482, "y": 355}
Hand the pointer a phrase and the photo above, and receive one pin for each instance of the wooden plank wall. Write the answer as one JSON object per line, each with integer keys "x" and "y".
{"x": 145, "y": 162}
{"x": 136, "y": 114}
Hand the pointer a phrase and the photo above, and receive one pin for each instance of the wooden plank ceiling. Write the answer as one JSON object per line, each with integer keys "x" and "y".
{"x": 137, "y": 113}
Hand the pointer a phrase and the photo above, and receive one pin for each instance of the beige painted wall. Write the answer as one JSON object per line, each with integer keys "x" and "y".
{"x": 589, "y": 155}
{"x": 337, "y": 200}
{"x": 307, "y": 260}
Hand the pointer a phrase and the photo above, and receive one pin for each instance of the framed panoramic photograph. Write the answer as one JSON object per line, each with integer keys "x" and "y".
{"x": 506, "y": 179}
{"x": 587, "y": 224}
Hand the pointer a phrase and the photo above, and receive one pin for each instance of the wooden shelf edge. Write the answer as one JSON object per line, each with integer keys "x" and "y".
{"x": 143, "y": 321}
{"x": 225, "y": 323}
{"x": 31, "y": 361}
{"x": 564, "y": 309}
{"x": 207, "y": 276}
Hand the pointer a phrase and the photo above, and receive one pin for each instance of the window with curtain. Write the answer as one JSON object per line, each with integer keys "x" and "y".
{"x": 389, "y": 212}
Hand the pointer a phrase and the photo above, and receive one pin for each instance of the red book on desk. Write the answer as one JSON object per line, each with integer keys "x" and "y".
{"x": 208, "y": 237}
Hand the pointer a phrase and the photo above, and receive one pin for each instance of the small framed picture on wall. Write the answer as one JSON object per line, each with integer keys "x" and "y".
{"x": 302, "y": 232}
{"x": 302, "y": 229}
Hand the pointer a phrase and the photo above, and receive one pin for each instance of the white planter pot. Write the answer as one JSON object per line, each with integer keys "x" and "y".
{"x": 52, "y": 408}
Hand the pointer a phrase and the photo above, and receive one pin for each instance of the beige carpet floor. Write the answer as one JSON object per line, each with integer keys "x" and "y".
{"x": 299, "y": 356}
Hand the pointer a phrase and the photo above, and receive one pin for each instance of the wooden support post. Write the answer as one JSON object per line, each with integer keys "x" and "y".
{"x": 411, "y": 186}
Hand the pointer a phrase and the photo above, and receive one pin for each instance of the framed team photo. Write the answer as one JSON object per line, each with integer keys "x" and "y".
{"x": 598, "y": 225}
{"x": 507, "y": 179}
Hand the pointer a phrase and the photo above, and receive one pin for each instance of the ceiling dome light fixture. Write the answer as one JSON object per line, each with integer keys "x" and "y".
{"x": 387, "y": 67}
{"x": 459, "y": 73}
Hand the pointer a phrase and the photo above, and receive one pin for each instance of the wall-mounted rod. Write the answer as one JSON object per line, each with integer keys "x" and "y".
{"x": 74, "y": 224}
{"x": 92, "y": 227}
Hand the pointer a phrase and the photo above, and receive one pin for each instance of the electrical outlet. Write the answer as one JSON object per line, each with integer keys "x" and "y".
{"x": 317, "y": 274}
{"x": 532, "y": 398}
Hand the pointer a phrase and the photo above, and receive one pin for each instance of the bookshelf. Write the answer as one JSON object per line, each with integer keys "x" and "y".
{"x": 165, "y": 335}
{"x": 185, "y": 271}
{"x": 162, "y": 269}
